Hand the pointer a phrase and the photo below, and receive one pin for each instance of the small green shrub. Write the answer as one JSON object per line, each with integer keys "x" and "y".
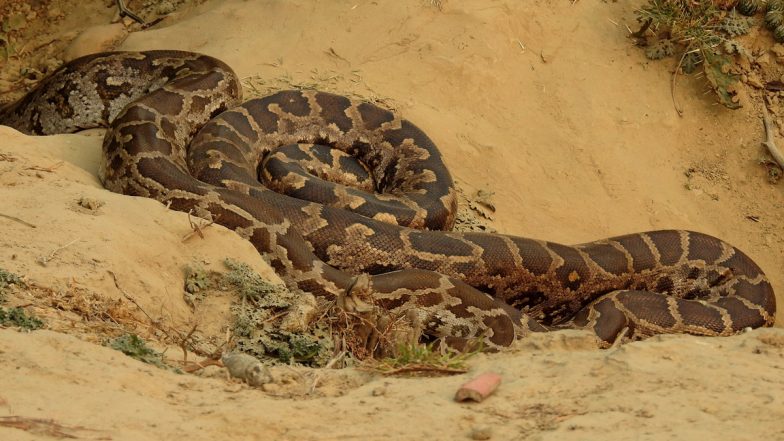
{"x": 196, "y": 279}
{"x": 7, "y": 279}
{"x": 698, "y": 34}
{"x": 252, "y": 287}
{"x": 256, "y": 329}
{"x": 19, "y": 318}
{"x": 133, "y": 346}
{"x": 413, "y": 358}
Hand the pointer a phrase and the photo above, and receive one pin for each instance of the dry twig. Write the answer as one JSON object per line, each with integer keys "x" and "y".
{"x": 331, "y": 52}
{"x": 46, "y": 259}
{"x": 17, "y": 220}
{"x": 197, "y": 229}
{"x": 674, "y": 78}
{"x": 49, "y": 169}
{"x": 423, "y": 368}
{"x": 184, "y": 342}
{"x": 154, "y": 322}
{"x": 329, "y": 365}
{"x": 769, "y": 143}
{"x": 193, "y": 366}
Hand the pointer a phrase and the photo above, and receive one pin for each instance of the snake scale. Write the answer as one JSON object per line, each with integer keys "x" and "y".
{"x": 177, "y": 133}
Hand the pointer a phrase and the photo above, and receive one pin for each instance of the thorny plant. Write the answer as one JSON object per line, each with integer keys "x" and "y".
{"x": 700, "y": 34}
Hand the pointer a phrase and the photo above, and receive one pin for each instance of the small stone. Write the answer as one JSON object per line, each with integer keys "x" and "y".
{"x": 54, "y": 12}
{"x": 379, "y": 391}
{"x": 481, "y": 433}
{"x": 778, "y": 50}
{"x": 90, "y": 203}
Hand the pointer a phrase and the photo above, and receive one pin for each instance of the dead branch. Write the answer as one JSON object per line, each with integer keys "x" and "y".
{"x": 193, "y": 366}
{"x": 769, "y": 143}
{"x": 154, "y": 322}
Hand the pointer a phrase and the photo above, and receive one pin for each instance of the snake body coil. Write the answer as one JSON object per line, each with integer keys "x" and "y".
{"x": 177, "y": 133}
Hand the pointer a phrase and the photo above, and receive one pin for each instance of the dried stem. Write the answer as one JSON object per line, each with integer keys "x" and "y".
{"x": 17, "y": 220}
{"x": 769, "y": 143}
{"x": 46, "y": 259}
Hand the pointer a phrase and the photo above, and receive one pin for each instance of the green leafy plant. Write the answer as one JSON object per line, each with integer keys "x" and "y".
{"x": 133, "y": 346}
{"x": 699, "y": 34}
{"x": 251, "y": 286}
{"x": 256, "y": 337}
{"x": 19, "y": 318}
{"x": 7, "y": 279}
{"x": 423, "y": 358}
{"x": 196, "y": 279}
{"x": 257, "y": 330}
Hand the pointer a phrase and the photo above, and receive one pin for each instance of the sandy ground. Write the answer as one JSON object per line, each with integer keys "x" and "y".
{"x": 547, "y": 104}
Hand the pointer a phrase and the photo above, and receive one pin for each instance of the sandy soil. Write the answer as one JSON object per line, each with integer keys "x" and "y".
{"x": 546, "y": 104}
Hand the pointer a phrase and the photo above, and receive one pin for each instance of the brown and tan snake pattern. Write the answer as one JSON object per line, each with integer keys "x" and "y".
{"x": 177, "y": 133}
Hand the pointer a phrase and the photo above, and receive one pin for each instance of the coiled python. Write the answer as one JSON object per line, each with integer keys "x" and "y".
{"x": 177, "y": 134}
